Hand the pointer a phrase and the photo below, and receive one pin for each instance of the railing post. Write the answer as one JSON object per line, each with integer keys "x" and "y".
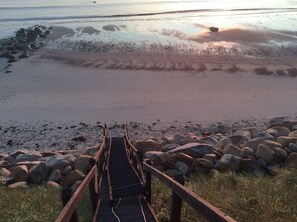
{"x": 148, "y": 184}
{"x": 176, "y": 201}
{"x": 92, "y": 187}
{"x": 66, "y": 195}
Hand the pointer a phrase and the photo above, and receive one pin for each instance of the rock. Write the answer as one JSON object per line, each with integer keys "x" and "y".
{"x": 202, "y": 165}
{"x": 283, "y": 123}
{"x": 222, "y": 128}
{"x": 240, "y": 137}
{"x": 148, "y": 145}
{"x": 22, "y": 184}
{"x": 280, "y": 155}
{"x": 166, "y": 140}
{"x": 60, "y": 161}
{"x": 254, "y": 143}
{"x": 272, "y": 144}
{"x": 222, "y": 143}
{"x": 265, "y": 153}
{"x": 293, "y": 147}
{"x": 55, "y": 175}
{"x": 209, "y": 140}
{"x": 247, "y": 152}
{"x": 82, "y": 163}
{"x": 154, "y": 156}
{"x": 27, "y": 157}
{"x": 272, "y": 132}
{"x": 254, "y": 132}
{"x": 173, "y": 173}
{"x": 180, "y": 139}
{"x": 228, "y": 161}
{"x": 182, "y": 167}
{"x": 292, "y": 160}
{"x": 232, "y": 149}
{"x": 4, "y": 172}
{"x": 195, "y": 150}
{"x": 249, "y": 164}
{"x": 38, "y": 173}
{"x": 184, "y": 158}
{"x": 75, "y": 185}
{"x": 6, "y": 180}
{"x": 293, "y": 134}
{"x": 53, "y": 184}
{"x": 285, "y": 140}
{"x": 19, "y": 173}
{"x": 66, "y": 170}
{"x": 272, "y": 169}
{"x": 91, "y": 151}
{"x": 211, "y": 157}
{"x": 169, "y": 147}
{"x": 18, "y": 152}
{"x": 282, "y": 131}
{"x": 167, "y": 161}
{"x": 214, "y": 29}
{"x": 71, "y": 177}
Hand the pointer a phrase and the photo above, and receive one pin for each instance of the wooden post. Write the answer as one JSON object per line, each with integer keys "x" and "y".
{"x": 92, "y": 188}
{"x": 148, "y": 184}
{"x": 176, "y": 201}
{"x": 66, "y": 195}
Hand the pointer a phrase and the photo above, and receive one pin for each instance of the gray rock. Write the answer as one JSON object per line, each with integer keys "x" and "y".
{"x": 209, "y": 140}
{"x": 75, "y": 185}
{"x": 254, "y": 132}
{"x": 66, "y": 170}
{"x": 166, "y": 140}
{"x": 272, "y": 144}
{"x": 4, "y": 172}
{"x": 182, "y": 167}
{"x": 293, "y": 147}
{"x": 232, "y": 149}
{"x": 19, "y": 173}
{"x": 293, "y": 134}
{"x": 228, "y": 161}
{"x": 173, "y": 173}
{"x": 148, "y": 145}
{"x": 55, "y": 175}
{"x": 284, "y": 123}
{"x": 272, "y": 132}
{"x": 239, "y": 138}
{"x": 53, "y": 184}
{"x": 247, "y": 152}
{"x": 272, "y": 169}
{"x": 82, "y": 163}
{"x": 195, "y": 150}
{"x": 222, "y": 143}
{"x": 202, "y": 165}
{"x": 38, "y": 173}
{"x": 285, "y": 140}
{"x": 154, "y": 156}
{"x": 169, "y": 147}
{"x": 22, "y": 184}
{"x": 71, "y": 177}
{"x": 265, "y": 153}
{"x": 280, "y": 155}
{"x": 184, "y": 158}
{"x": 282, "y": 131}
{"x": 27, "y": 157}
{"x": 180, "y": 139}
{"x": 249, "y": 164}
{"x": 6, "y": 180}
{"x": 292, "y": 160}
{"x": 211, "y": 157}
{"x": 60, "y": 161}
{"x": 254, "y": 143}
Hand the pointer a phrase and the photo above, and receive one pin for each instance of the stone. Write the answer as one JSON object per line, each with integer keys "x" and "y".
{"x": 280, "y": 155}
{"x": 166, "y": 140}
{"x": 284, "y": 123}
{"x": 167, "y": 161}
{"x": 265, "y": 153}
{"x": 195, "y": 150}
{"x": 228, "y": 161}
{"x": 202, "y": 165}
{"x": 4, "y": 172}
{"x": 39, "y": 173}
{"x": 254, "y": 143}
{"x": 232, "y": 149}
{"x": 55, "y": 175}
{"x": 285, "y": 140}
{"x": 182, "y": 167}
{"x": 209, "y": 140}
{"x": 240, "y": 137}
{"x": 19, "y": 173}
{"x": 66, "y": 170}
{"x": 173, "y": 173}
{"x": 222, "y": 143}
{"x": 7, "y": 180}
{"x": 82, "y": 163}
{"x": 75, "y": 185}
{"x": 272, "y": 132}
{"x": 247, "y": 152}
{"x": 184, "y": 158}
{"x": 53, "y": 184}
{"x": 272, "y": 169}
{"x": 22, "y": 184}
{"x": 154, "y": 156}
{"x": 148, "y": 145}
{"x": 272, "y": 144}
{"x": 169, "y": 147}
{"x": 254, "y": 132}
{"x": 292, "y": 160}
{"x": 180, "y": 139}
{"x": 293, "y": 147}
{"x": 27, "y": 157}
{"x": 293, "y": 134}
{"x": 91, "y": 151}
{"x": 60, "y": 161}
{"x": 282, "y": 131}
{"x": 71, "y": 177}
{"x": 18, "y": 152}
{"x": 249, "y": 164}
{"x": 211, "y": 157}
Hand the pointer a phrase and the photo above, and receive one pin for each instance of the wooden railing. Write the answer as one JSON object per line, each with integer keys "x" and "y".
{"x": 179, "y": 191}
{"x": 92, "y": 181}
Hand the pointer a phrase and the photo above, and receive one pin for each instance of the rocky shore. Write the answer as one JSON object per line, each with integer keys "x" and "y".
{"x": 175, "y": 149}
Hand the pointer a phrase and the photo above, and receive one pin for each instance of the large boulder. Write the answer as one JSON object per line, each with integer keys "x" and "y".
{"x": 280, "y": 155}
{"x": 265, "y": 153}
{"x": 272, "y": 144}
{"x": 180, "y": 139}
{"x": 239, "y": 138}
{"x": 211, "y": 157}
{"x": 53, "y": 184}
{"x": 286, "y": 140}
{"x": 169, "y": 147}
{"x": 222, "y": 143}
{"x": 228, "y": 161}
{"x": 82, "y": 163}
{"x": 148, "y": 145}
{"x": 70, "y": 178}
{"x": 293, "y": 133}
{"x": 249, "y": 164}
{"x": 232, "y": 149}
{"x": 39, "y": 173}
{"x": 55, "y": 175}
{"x": 202, "y": 165}
{"x": 4, "y": 172}
{"x": 195, "y": 150}
{"x": 282, "y": 131}
{"x": 293, "y": 147}
{"x": 184, "y": 158}
{"x": 209, "y": 140}
{"x": 247, "y": 152}
{"x": 182, "y": 167}
{"x": 154, "y": 156}
{"x": 254, "y": 143}
{"x": 27, "y": 157}
{"x": 292, "y": 160}
{"x": 60, "y": 161}
{"x": 19, "y": 173}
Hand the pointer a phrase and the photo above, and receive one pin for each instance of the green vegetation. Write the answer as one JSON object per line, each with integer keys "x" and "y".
{"x": 244, "y": 197}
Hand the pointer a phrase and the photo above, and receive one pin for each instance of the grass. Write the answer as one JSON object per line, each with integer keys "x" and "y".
{"x": 244, "y": 197}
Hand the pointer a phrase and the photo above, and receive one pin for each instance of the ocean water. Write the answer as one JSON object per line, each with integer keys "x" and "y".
{"x": 171, "y": 23}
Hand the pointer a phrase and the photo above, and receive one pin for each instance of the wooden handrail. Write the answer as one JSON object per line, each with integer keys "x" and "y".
{"x": 204, "y": 208}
